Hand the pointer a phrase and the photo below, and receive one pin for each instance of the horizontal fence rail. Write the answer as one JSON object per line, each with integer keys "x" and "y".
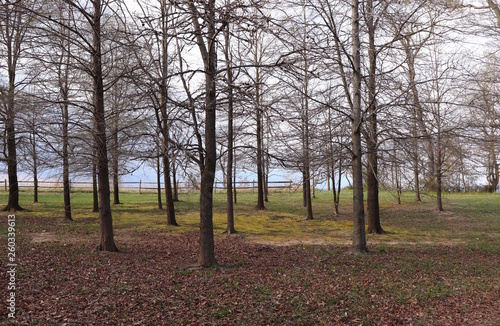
{"x": 286, "y": 185}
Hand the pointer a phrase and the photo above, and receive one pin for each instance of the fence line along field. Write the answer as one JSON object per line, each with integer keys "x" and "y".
{"x": 430, "y": 268}
{"x": 140, "y": 186}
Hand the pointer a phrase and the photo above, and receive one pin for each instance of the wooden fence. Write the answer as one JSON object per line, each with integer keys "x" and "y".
{"x": 141, "y": 186}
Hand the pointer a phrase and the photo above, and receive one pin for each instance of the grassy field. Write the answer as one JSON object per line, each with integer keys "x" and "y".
{"x": 431, "y": 268}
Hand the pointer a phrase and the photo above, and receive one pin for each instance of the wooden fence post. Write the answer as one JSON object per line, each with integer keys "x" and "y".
{"x": 140, "y": 185}
{"x": 5, "y": 183}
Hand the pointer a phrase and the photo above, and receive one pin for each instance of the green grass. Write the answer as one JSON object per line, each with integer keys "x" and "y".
{"x": 472, "y": 219}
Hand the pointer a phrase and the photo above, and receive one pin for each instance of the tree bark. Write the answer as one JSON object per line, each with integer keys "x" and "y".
{"x": 13, "y": 203}
{"x": 95, "y": 187}
{"x": 107, "y": 242}
{"x": 439, "y": 163}
{"x": 158, "y": 178}
{"x": 331, "y": 167}
{"x": 307, "y": 170}
{"x": 372, "y": 201}
{"x": 234, "y": 177}
{"x": 416, "y": 171}
{"x": 260, "y": 159}
{"x": 115, "y": 152}
{"x": 35, "y": 165}
{"x": 208, "y": 53}
{"x": 116, "y": 184}
{"x": 267, "y": 159}
{"x": 13, "y": 32}
{"x": 65, "y": 154}
{"x": 174, "y": 180}
{"x": 230, "y": 229}
{"x": 336, "y": 196}
{"x": 328, "y": 177}
{"x": 359, "y": 235}
{"x": 169, "y": 200}
{"x": 305, "y": 131}
{"x": 65, "y": 61}
{"x": 493, "y": 168}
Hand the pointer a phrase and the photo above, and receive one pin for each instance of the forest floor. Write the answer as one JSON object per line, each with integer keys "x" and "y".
{"x": 429, "y": 269}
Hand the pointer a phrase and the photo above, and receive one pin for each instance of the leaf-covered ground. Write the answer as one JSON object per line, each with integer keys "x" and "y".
{"x": 63, "y": 281}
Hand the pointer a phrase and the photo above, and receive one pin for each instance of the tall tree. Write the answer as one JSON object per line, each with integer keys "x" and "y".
{"x": 107, "y": 242}
{"x": 152, "y": 58}
{"x": 258, "y": 52}
{"x": 16, "y": 21}
{"x": 63, "y": 75}
{"x": 164, "y": 126}
{"x": 372, "y": 199}
{"x": 359, "y": 235}
{"x": 206, "y": 34}
{"x": 230, "y": 229}
{"x": 306, "y": 173}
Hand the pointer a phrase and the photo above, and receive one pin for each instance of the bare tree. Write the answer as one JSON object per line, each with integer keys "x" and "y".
{"x": 206, "y": 34}
{"x": 372, "y": 183}
{"x": 152, "y": 55}
{"x": 230, "y": 229}
{"x": 16, "y": 21}
{"x": 359, "y": 236}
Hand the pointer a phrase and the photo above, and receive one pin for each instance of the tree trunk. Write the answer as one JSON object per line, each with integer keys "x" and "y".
{"x": 65, "y": 157}
{"x": 415, "y": 162}
{"x": 35, "y": 165}
{"x": 107, "y": 242}
{"x": 336, "y": 196}
{"x": 158, "y": 176}
{"x": 397, "y": 177}
{"x": 305, "y": 125}
{"x": 169, "y": 200}
{"x": 439, "y": 173}
{"x": 304, "y": 188}
{"x": 267, "y": 159}
{"x": 13, "y": 203}
{"x": 328, "y": 177}
{"x": 116, "y": 186}
{"x": 493, "y": 168}
{"x": 13, "y": 42}
{"x": 418, "y": 111}
{"x": 208, "y": 164}
{"x": 359, "y": 235}
{"x": 439, "y": 189}
{"x": 234, "y": 177}
{"x": 207, "y": 252}
{"x": 95, "y": 188}
{"x": 230, "y": 138}
{"x": 313, "y": 185}
{"x": 260, "y": 159}
{"x": 65, "y": 61}
{"x": 174, "y": 180}
{"x": 115, "y": 152}
{"x": 372, "y": 201}
{"x": 331, "y": 167}
{"x": 336, "y": 212}
{"x": 305, "y": 148}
